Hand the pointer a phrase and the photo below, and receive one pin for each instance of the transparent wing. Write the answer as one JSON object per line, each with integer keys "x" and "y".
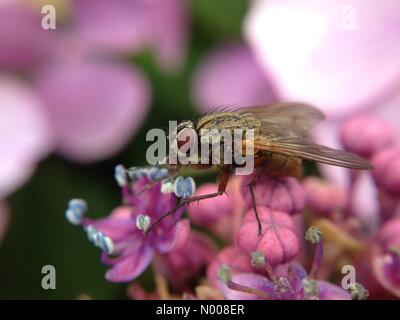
{"x": 289, "y": 118}
{"x": 294, "y": 118}
{"x": 308, "y": 150}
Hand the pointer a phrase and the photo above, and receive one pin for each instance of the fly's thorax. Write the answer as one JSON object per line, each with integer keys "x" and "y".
{"x": 224, "y": 120}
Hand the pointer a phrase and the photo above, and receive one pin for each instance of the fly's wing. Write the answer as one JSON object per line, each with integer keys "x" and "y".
{"x": 306, "y": 149}
{"x": 290, "y": 118}
{"x": 294, "y": 118}
{"x": 283, "y": 128}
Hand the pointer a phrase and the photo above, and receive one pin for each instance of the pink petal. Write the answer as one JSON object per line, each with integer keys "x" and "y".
{"x": 230, "y": 76}
{"x": 175, "y": 239}
{"x": 251, "y": 280}
{"x": 170, "y": 21}
{"x": 385, "y": 275}
{"x": 131, "y": 266}
{"x": 312, "y": 54}
{"x": 117, "y": 25}
{"x": 24, "y": 133}
{"x": 329, "y": 291}
{"x": 182, "y": 265}
{"x": 118, "y": 225}
{"x": 94, "y": 108}
{"x": 134, "y": 25}
{"x": 23, "y": 41}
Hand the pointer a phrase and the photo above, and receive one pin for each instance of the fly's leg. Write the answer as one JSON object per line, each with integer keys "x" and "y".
{"x": 153, "y": 183}
{"x": 253, "y": 200}
{"x": 221, "y": 189}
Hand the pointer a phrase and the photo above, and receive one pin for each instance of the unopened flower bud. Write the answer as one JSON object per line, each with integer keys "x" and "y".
{"x": 365, "y": 135}
{"x": 282, "y": 194}
{"x": 387, "y": 170}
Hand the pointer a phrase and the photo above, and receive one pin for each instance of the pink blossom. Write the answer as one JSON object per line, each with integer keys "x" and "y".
{"x": 133, "y": 25}
{"x": 230, "y": 76}
{"x": 25, "y": 137}
{"x": 277, "y": 242}
{"x": 94, "y": 107}
{"x": 133, "y": 249}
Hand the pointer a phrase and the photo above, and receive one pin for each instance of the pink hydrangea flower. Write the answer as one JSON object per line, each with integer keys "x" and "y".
{"x": 123, "y": 233}
{"x": 278, "y": 241}
{"x": 216, "y": 83}
{"x": 85, "y": 108}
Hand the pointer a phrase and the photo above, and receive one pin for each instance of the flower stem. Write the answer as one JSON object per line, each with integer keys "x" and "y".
{"x": 319, "y": 251}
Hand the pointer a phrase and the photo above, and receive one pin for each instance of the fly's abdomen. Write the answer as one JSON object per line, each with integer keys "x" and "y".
{"x": 283, "y": 165}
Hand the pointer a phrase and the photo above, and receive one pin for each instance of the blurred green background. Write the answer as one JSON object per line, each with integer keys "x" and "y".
{"x": 39, "y": 235}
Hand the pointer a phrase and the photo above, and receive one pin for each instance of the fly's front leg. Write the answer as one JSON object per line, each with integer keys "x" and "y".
{"x": 223, "y": 182}
{"x": 253, "y": 200}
